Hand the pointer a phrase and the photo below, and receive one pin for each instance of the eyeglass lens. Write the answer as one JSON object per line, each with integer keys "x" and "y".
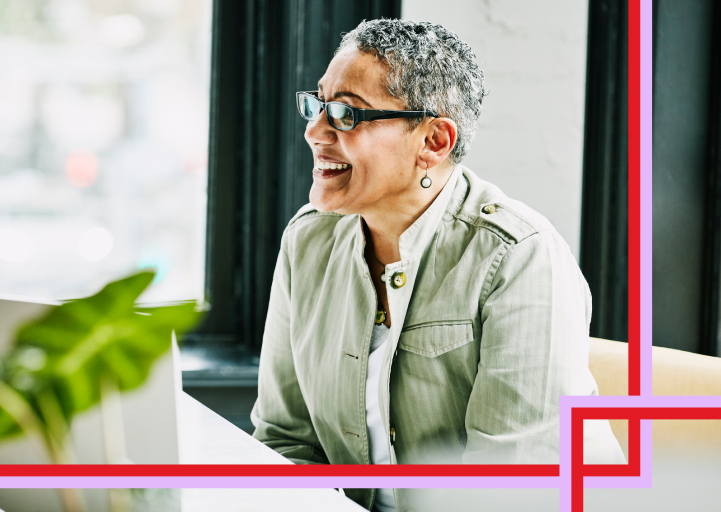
{"x": 309, "y": 107}
{"x": 339, "y": 115}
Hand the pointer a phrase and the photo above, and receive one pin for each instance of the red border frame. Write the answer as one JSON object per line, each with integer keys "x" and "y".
{"x": 279, "y": 470}
{"x": 634, "y": 198}
{"x": 446, "y": 470}
{"x": 633, "y": 468}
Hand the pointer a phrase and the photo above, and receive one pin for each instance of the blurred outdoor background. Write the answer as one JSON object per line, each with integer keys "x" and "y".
{"x": 103, "y": 144}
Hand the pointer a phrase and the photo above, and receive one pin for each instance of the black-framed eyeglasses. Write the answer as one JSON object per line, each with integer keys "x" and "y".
{"x": 344, "y": 117}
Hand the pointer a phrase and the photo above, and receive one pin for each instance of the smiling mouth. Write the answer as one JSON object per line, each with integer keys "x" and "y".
{"x": 322, "y": 166}
{"x": 330, "y": 169}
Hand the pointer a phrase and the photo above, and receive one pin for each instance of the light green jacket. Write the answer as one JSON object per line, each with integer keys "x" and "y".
{"x": 495, "y": 331}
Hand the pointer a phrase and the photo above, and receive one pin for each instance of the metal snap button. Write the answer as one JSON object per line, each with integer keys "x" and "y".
{"x": 398, "y": 280}
{"x": 488, "y": 209}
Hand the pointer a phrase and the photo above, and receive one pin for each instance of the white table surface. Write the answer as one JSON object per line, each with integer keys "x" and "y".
{"x": 208, "y": 438}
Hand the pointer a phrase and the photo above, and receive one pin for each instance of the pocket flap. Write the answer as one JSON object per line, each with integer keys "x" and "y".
{"x": 431, "y": 339}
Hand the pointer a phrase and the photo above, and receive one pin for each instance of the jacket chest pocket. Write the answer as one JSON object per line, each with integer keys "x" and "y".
{"x": 432, "y": 339}
{"x": 432, "y": 380}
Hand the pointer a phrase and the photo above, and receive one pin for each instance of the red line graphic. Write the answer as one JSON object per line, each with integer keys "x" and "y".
{"x": 579, "y": 470}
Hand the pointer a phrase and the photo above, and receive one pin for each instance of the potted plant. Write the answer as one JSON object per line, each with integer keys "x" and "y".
{"x": 79, "y": 355}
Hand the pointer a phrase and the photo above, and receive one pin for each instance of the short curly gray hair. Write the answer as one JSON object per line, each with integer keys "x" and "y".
{"x": 429, "y": 68}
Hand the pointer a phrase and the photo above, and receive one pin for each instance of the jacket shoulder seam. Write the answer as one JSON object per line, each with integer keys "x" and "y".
{"x": 509, "y": 236}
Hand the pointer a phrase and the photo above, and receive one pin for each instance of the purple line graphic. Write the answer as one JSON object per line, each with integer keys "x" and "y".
{"x": 646, "y": 200}
{"x": 563, "y": 481}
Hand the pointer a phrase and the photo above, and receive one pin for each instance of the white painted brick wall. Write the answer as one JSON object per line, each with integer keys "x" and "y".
{"x": 530, "y": 137}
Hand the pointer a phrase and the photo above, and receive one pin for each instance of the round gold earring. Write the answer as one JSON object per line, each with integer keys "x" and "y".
{"x": 425, "y": 180}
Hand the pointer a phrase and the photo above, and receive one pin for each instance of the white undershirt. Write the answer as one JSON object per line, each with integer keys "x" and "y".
{"x": 377, "y": 440}
{"x": 411, "y": 244}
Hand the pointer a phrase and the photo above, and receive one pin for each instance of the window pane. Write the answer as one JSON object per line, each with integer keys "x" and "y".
{"x": 103, "y": 144}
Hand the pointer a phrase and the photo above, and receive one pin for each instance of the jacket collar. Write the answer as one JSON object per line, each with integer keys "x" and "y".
{"x": 460, "y": 192}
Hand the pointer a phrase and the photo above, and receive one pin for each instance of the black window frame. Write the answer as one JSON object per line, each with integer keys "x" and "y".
{"x": 687, "y": 175}
{"x": 604, "y": 206}
{"x": 263, "y": 52}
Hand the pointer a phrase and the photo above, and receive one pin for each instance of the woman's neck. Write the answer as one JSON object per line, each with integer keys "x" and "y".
{"x": 386, "y": 224}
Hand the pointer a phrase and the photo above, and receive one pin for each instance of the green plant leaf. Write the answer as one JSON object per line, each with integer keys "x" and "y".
{"x": 77, "y": 345}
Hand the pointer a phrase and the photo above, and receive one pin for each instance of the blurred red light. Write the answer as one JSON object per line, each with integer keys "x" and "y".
{"x": 195, "y": 165}
{"x": 81, "y": 168}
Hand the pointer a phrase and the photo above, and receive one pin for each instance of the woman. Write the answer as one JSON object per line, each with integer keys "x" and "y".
{"x": 417, "y": 315}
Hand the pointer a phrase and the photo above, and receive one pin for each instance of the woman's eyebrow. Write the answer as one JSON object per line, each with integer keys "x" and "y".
{"x": 340, "y": 94}
{"x": 348, "y": 94}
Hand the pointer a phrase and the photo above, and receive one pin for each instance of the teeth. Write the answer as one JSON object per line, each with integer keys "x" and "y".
{"x": 330, "y": 165}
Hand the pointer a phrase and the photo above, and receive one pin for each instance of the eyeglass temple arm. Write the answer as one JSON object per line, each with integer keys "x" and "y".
{"x": 369, "y": 115}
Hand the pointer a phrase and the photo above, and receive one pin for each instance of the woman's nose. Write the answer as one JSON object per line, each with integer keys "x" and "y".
{"x": 320, "y": 131}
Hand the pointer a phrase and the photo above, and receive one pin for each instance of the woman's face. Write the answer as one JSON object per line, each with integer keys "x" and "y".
{"x": 381, "y": 155}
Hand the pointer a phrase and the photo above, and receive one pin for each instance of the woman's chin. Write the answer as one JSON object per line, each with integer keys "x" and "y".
{"x": 325, "y": 200}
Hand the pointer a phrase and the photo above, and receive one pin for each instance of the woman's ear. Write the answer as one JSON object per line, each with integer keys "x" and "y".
{"x": 440, "y": 139}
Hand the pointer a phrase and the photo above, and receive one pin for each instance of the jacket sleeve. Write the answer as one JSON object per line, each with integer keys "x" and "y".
{"x": 535, "y": 315}
{"x": 280, "y": 414}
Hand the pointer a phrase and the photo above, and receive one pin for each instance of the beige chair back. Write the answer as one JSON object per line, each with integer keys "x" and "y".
{"x": 675, "y": 372}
